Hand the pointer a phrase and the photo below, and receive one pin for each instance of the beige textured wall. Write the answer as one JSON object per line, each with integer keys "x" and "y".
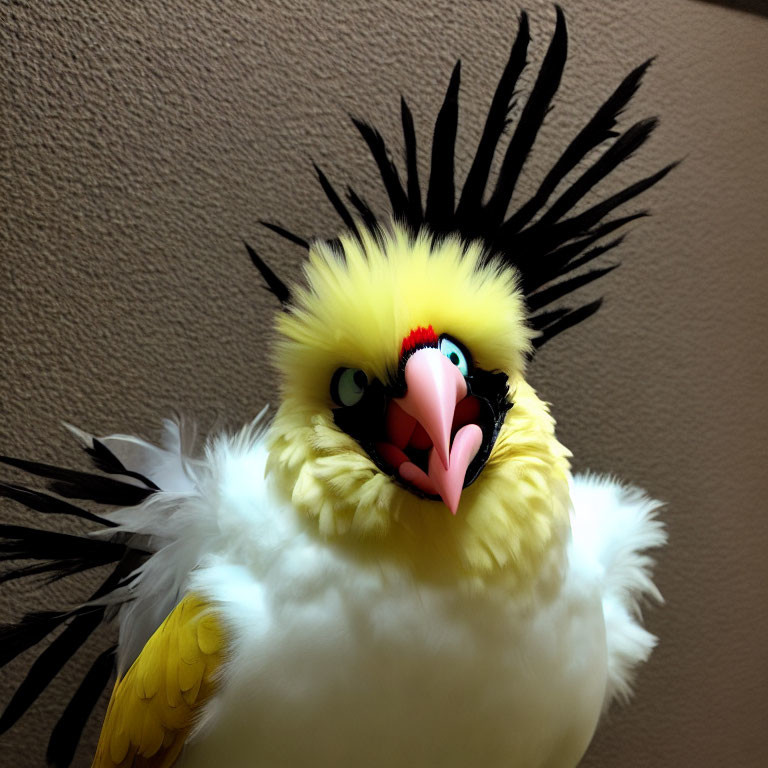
{"x": 141, "y": 143}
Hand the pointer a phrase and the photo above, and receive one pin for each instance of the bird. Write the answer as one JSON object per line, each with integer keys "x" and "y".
{"x": 398, "y": 566}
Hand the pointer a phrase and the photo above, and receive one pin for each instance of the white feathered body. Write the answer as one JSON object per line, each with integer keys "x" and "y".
{"x": 338, "y": 661}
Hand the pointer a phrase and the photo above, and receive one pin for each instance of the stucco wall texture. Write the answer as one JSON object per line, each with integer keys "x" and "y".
{"x": 141, "y": 142}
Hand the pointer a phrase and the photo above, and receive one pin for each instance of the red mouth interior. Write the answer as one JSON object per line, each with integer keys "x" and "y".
{"x": 409, "y": 441}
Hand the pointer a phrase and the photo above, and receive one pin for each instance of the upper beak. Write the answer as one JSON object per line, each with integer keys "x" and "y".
{"x": 434, "y": 387}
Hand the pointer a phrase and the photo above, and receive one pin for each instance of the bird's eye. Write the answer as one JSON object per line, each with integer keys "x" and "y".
{"x": 455, "y": 354}
{"x": 348, "y": 386}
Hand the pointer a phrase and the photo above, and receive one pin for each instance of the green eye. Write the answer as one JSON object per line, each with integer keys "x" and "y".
{"x": 348, "y": 386}
{"x": 455, "y": 354}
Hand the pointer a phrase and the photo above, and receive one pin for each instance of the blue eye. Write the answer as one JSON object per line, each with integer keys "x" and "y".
{"x": 348, "y": 386}
{"x": 455, "y": 354}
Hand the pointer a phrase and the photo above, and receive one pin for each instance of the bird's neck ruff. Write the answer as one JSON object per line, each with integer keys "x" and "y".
{"x": 512, "y": 522}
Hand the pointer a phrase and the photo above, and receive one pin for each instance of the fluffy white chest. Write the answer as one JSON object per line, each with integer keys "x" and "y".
{"x": 339, "y": 664}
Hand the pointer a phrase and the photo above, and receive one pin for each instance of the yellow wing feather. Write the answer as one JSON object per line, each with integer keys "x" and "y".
{"x": 153, "y": 707}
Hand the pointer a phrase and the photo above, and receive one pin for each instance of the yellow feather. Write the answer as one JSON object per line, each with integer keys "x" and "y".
{"x": 209, "y": 635}
{"x": 358, "y": 310}
{"x": 190, "y": 674}
{"x": 154, "y": 706}
{"x": 118, "y": 746}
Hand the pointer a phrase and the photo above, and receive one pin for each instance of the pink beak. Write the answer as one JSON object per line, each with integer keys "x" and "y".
{"x": 434, "y": 388}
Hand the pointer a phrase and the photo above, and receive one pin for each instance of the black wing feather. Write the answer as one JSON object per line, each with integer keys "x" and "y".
{"x": 47, "y": 504}
{"x": 73, "y": 484}
{"x": 58, "y": 569}
{"x": 106, "y": 461}
{"x": 20, "y": 542}
{"x": 69, "y": 728}
{"x": 28, "y": 632}
{"x": 59, "y": 555}
{"x": 48, "y": 664}
{"x": 82, "y": 622}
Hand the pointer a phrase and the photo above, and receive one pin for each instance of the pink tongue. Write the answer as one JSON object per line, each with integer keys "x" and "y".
{"x": 447, "y": 483}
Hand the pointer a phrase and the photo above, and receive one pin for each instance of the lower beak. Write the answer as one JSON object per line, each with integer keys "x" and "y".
{"x": 434, "y": 387}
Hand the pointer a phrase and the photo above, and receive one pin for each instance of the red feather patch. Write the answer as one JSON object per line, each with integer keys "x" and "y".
{"x": 418, "y": 336}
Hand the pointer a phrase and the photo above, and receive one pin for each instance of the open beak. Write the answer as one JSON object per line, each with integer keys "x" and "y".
{"x": 426, "y": 418}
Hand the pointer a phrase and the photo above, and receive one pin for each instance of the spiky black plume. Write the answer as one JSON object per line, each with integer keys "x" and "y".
{"x": 545, "y": 241}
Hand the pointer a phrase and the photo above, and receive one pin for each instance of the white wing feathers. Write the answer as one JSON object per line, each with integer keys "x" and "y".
{"x": 179, "y": 523}
{"x": 614, "y": 526}
{"x": 167, "y": 466}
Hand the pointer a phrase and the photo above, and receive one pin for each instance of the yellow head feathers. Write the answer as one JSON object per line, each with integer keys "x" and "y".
{"x": 355, "y": 312}
{"x": 357, "y": 309}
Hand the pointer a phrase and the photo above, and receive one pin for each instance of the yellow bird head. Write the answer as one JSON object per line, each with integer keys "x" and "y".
{"x": 405, "y": 416}
{"x": 406, "y": 424}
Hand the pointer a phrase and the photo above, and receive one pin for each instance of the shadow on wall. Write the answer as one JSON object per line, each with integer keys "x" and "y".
{"x": 759, "y": 7}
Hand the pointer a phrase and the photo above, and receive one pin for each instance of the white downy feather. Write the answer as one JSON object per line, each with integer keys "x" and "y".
{"x": 615, "y": 526}
{"x": 335, "y": 662}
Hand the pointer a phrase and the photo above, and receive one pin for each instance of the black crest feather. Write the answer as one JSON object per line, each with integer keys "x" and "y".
{"x": 544, "y": 240}
{"x": 274, "y": 283}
